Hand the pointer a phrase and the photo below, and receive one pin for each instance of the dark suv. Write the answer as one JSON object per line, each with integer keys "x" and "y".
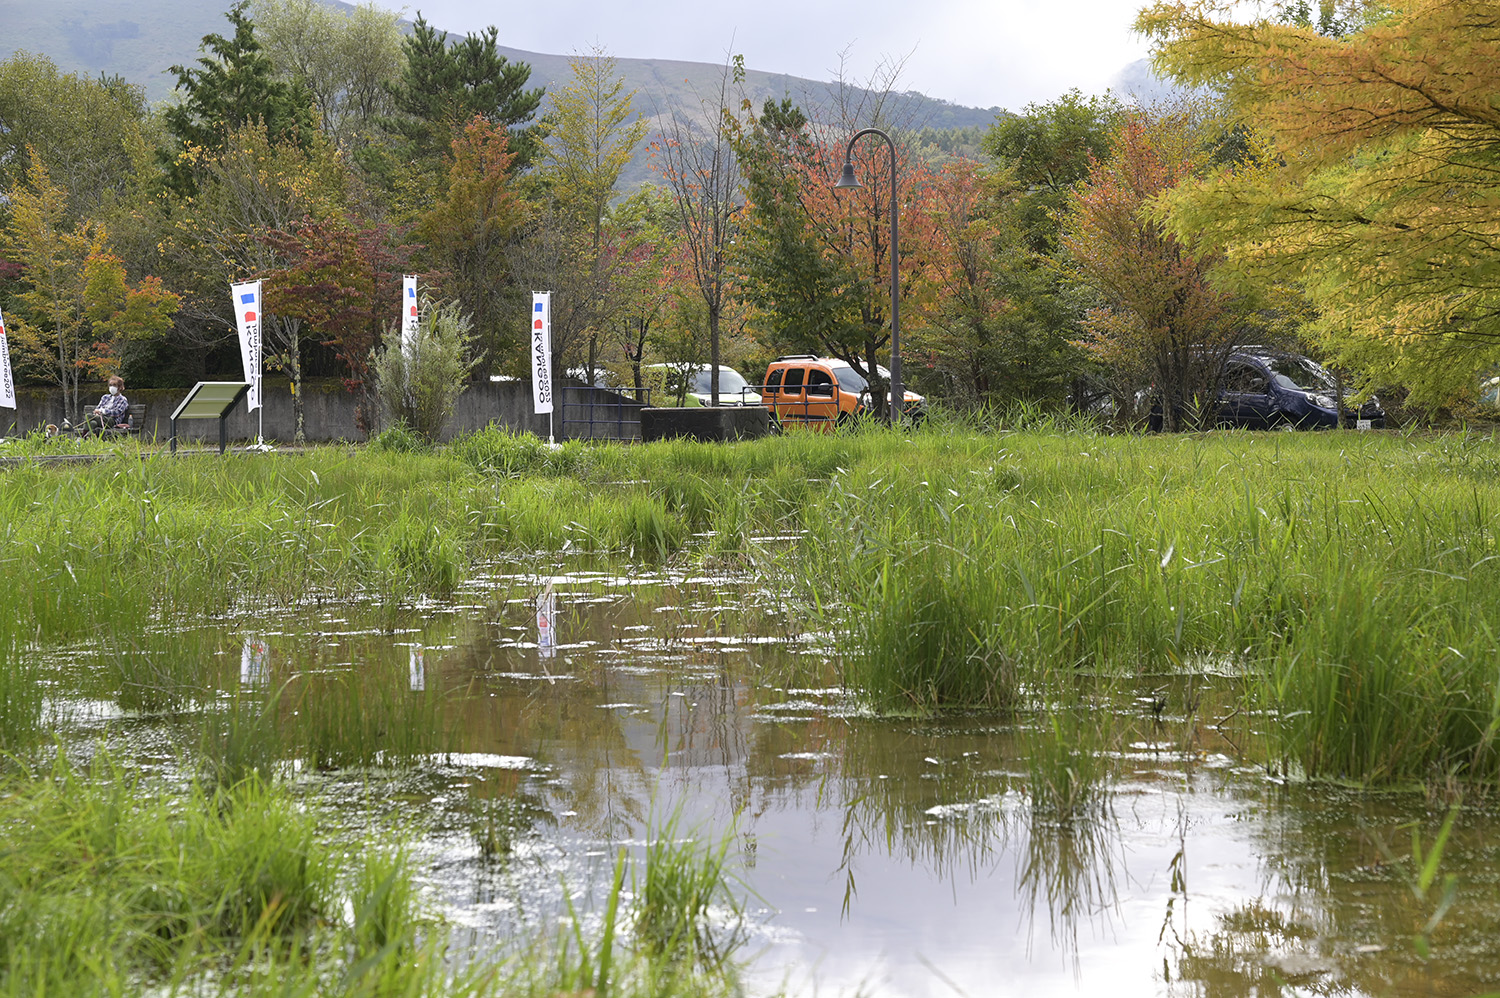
{"x": 1261, "y": 389}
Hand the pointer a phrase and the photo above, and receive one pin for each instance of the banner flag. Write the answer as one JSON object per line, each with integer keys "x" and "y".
{"x": 7, "y": 383}
{"x": 247, "y": 318}
{"x": 541, "y": 350}
{"x": 408, "y": 314}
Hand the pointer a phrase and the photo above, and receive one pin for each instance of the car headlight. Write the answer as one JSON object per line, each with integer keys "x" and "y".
{"x": 1323, "y": 401}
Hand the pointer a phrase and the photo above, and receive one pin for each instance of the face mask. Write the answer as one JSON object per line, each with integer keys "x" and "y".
{"x": 114, "y": 389}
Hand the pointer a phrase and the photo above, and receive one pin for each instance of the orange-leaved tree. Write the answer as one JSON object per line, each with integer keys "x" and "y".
{"x": 1158, "y": 318}
{"x": 469, "y": 229}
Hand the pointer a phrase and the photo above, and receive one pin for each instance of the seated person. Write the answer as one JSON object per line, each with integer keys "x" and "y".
{"x": 112, "y": 411}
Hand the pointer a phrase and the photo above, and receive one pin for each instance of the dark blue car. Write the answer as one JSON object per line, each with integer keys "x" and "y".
{"x": 1266, "y": 390}
{"x": 1262, "y": 389}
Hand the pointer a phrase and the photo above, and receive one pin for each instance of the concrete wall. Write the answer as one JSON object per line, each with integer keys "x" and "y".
{"x": 328, "y": 412}
{"x": 730, "y": 422}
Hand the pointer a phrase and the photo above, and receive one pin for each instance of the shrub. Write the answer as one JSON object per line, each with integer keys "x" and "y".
{"x": 419, "y": 387}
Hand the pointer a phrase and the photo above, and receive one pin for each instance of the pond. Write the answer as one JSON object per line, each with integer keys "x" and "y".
{"x": 526, "y": 730}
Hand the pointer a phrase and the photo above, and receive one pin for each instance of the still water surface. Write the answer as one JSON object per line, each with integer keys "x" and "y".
{"x": 876, "y": 856}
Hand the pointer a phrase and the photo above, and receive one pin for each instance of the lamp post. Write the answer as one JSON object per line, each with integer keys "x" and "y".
{"x": 846, "y": 181}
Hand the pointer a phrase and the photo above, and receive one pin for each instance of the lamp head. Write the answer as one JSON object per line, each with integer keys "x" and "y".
{"x": 846, "y": 179}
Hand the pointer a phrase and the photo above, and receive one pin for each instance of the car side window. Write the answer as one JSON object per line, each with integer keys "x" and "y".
{"x": 793, "y": 383}
{"x": 1245, "y": 380}
{"x": 773, "y": 383}
{"x": 819, "y": 383}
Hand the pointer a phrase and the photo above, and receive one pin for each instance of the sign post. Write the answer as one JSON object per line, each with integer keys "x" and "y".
{"x": 541, "y": 356}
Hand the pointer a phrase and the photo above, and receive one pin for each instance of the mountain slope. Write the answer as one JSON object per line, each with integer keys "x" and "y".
{"x": 139, "y": 39}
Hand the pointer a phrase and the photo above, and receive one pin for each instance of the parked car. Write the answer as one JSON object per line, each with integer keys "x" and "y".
{"x": 1264, "y": 389}
{"x": 1261, "y": 388}
{"x": 803, "y": 389}
{"x": 733, "y": 388}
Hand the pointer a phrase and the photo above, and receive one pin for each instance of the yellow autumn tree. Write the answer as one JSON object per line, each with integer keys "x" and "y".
{"x": 1370, "y": 174}
{"x": 74, "y": 312}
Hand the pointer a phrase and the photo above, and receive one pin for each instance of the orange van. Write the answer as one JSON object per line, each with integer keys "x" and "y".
{"x": 823, "y": 392}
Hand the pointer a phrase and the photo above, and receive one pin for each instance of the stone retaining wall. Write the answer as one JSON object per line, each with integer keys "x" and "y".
{"x": 329, "y": 412}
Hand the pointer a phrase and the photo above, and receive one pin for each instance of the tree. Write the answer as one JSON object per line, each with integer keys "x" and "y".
{"x": 231, "y": 88}
{"x": 440, "y": 90}
{"x": 816, "y": 260}
{"x": 592, "y": 139}
{"x": 341, "y": 283}
{"x": 1372, "y": 179}
{"x": 82, "y": 130}
{"x": 469, "y": 231}
{"x": 979, "y": 328}
{"x": 77, "y": 310}
{"x": 249, "y": 188}
{"x": 1159, "y": 317}
{"x": 642, "y": 248}
{"x": 1049, "y": 148}
{"x": 1022, "y": 349}
{"x": 346, "y": 59}
{"x": 697, "y": 161}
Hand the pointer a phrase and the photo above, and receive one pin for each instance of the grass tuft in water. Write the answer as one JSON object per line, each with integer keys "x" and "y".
{"x": 685, "y": 909}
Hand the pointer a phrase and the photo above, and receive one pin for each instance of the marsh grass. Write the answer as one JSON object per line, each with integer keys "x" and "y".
{"x": 100, "y": 872}
{"x": 1068, "y": 757}
{"x": 685, "y": 908}
{"x": 1355, "y": 576}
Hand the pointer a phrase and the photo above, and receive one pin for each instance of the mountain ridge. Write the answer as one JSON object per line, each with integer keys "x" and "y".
{"x": 138, "y": 39}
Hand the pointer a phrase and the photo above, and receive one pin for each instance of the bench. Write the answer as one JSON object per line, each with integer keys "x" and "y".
{"x": 135, "y": 418}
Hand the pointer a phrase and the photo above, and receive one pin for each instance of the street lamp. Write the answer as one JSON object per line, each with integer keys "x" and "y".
{"x": 846, "y": 181}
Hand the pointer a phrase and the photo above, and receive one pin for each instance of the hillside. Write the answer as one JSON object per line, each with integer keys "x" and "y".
{"x": 139, "y": 39}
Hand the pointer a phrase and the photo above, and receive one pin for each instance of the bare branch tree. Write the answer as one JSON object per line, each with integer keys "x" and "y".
{"x": 696, "y": 160}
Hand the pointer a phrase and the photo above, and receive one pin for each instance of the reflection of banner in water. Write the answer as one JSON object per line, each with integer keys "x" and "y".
{"x": 546, "y": 624}
{"x": 255, "y": 662}
{"x": 418, "y": 668}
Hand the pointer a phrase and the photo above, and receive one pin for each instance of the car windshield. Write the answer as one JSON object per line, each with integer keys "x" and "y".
{"x": 851, "y": 380}
{"x": 1301, "y": 374}
{"x": 731, "y": 382}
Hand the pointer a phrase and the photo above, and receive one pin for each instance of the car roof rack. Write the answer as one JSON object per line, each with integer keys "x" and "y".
{"x": 798, "y": 356}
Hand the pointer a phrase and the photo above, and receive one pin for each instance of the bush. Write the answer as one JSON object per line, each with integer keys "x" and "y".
{"x": 419, "y": 387}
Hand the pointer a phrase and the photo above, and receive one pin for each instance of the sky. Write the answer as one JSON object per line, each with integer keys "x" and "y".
{"x": 979, "y": 53}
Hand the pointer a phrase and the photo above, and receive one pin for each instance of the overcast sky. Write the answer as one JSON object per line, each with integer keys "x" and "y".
{"x": 980, "y": 53}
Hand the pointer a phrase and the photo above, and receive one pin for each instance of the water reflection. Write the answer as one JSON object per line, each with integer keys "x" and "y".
{"x": 537, "y": 724}
{"x": 416, "y": 668}
{"x": 254, "y": 663}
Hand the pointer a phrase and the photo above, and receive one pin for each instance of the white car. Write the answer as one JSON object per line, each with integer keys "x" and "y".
{"x": 733, "y": 388}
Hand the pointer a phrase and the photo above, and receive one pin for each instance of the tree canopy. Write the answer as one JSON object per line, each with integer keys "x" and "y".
{"x": 1371, "y": 179}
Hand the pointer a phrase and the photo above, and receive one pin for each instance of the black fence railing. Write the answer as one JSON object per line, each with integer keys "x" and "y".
{"x": 602, "y": 413}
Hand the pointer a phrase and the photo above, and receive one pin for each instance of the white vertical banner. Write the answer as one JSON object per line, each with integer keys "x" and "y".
{"x": 541, "y": 350}
{"x": 409, "y": 314}
{"x": 7, "y": 383}
{"x": 247, "y": 318}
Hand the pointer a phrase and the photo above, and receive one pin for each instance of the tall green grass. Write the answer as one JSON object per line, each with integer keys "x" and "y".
{"x": 1354, "y": 576}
